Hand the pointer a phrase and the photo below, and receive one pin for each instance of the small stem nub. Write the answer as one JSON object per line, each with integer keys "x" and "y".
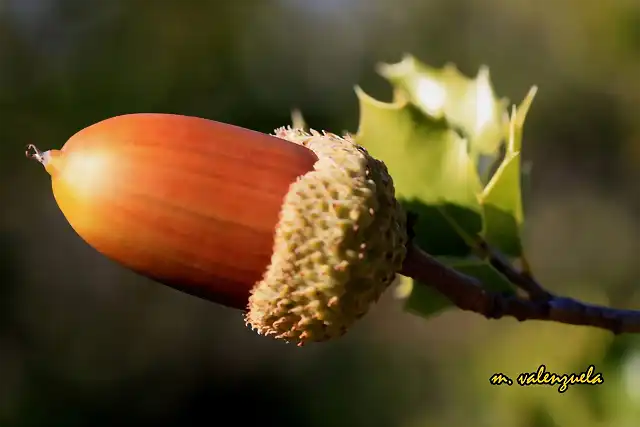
{"x": 32, "y": 152}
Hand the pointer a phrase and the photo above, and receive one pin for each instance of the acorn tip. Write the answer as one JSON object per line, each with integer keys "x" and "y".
{"x": 32, "y": 152}
{"x": 48, "y": 159}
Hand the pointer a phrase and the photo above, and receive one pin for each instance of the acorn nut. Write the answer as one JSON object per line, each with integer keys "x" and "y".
{"x": 300, "y": 230}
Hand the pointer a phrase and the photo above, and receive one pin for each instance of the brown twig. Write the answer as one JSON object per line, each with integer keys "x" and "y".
{"x": 467, "y": 293}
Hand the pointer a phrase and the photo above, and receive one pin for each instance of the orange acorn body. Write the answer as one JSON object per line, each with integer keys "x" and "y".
{"x": 189, "y": 202}
{"x": 300, "y": 230}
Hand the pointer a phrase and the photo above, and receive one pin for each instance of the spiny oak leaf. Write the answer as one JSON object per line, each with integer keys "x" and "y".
{"x": 434, "y": 177}
{"x": 502, "y": 197}
{"x": 433, "y": 137}
{"x": 469, "y": 104}
{"x": 431, "y": 169}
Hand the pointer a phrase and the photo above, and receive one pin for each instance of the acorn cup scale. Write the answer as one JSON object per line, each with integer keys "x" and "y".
{"x": 302, "y": 231}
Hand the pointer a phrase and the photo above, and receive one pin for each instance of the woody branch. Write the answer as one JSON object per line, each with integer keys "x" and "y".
{"x": 469, "y": 294}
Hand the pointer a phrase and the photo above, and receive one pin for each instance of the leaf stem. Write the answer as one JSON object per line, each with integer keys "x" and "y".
{"x": 523, "y": 280}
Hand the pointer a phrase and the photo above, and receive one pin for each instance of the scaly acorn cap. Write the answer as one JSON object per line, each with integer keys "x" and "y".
{"x": 338, "y": 244}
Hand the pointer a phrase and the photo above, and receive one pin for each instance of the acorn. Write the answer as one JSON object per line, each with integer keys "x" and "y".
{"x": 299, "y": 230}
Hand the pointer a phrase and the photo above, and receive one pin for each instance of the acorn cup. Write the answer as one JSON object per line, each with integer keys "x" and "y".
{"x": 300, "y": 230}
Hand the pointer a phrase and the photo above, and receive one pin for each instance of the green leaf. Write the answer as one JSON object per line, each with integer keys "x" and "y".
{"x": 425, "y": 301}
{"x": 420, "y": 298}
{"x": 503, "y": 208}
{"x": 433, "y": 144}
{"x": 433, "y": 175}
{"x": 502, "y": 197}
{"x": 431, "y": 169}
{"x": 468, "y": 103}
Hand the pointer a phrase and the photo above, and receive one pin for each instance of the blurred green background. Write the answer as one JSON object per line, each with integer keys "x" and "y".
{"x": 84, "y": 342}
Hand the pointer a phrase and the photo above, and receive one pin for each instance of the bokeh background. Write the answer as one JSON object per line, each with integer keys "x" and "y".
{"x": 84, "y": 342}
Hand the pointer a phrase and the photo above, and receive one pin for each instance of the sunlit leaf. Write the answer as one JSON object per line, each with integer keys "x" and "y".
{"x": 433, "y": 175}
{"x": 502, "y": 198}
{"x": 436, "y": 175}
{"x": 470, "y": 104}
{"x": 432, "y": 172}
